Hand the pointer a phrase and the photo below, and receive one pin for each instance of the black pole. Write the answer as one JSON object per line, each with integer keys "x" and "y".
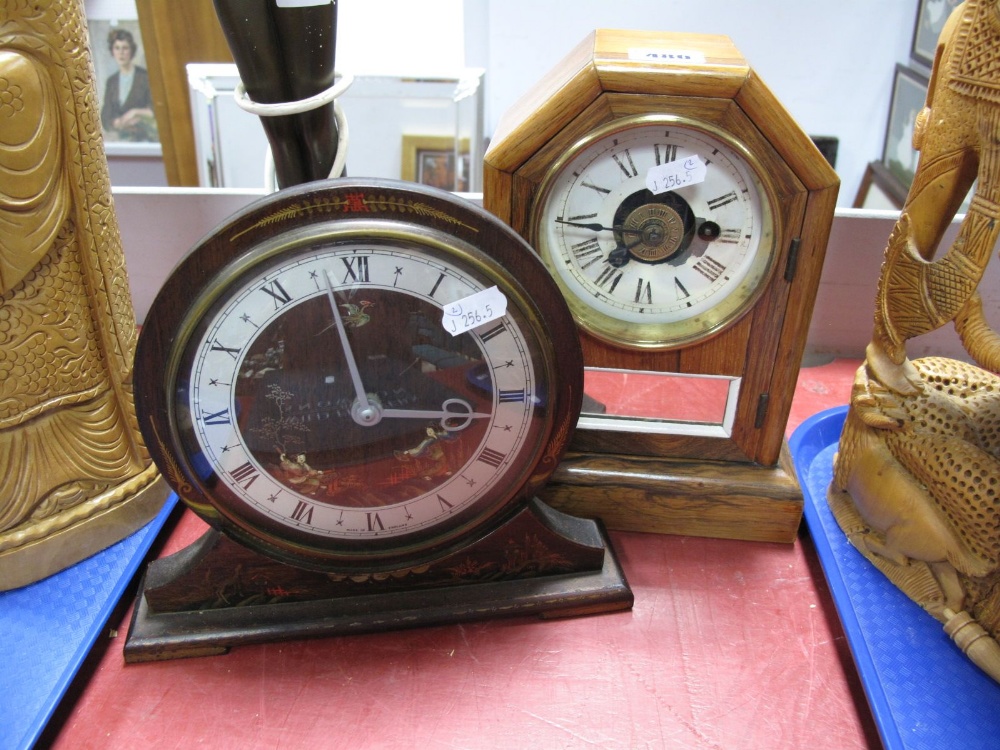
{"x": 286, "y": 54}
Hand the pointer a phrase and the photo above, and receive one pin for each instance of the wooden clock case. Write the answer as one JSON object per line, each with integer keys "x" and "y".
{"x": 742, "y": 485}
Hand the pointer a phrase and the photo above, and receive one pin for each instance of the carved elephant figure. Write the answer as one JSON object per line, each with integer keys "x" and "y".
{"x": 917, "y": 474}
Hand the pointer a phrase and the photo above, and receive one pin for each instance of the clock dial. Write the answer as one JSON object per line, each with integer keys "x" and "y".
{"x": 371, "y": 436}
{"x": 658, "y": 230}
{"x": 354, "y": 379}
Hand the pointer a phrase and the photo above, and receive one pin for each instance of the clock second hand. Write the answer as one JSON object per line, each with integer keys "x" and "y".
{"x": 366, "y": 413}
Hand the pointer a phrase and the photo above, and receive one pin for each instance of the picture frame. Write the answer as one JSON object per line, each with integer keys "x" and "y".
{"x": 931, "y": 18}
{"x": 128, "y": 122}
{"x": 431, "y": 160}
{"x": 880, "y": 189}
{"x": 909, "y": 93}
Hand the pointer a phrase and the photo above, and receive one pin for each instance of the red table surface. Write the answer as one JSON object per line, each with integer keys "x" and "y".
{"x": 730, "y": 645}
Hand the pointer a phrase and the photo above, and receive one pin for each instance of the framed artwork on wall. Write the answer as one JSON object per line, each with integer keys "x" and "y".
{"x": 931, "y": 17}
{"x": 909, "y": 92}
{"x": 431, "y": 160}
{"x": 122, "y": 76}
{"x": 880, "y": 189}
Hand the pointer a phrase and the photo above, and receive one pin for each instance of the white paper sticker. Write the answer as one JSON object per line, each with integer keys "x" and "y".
{"x": 675, "y": 56}
{"x": 475, "y": 310}
{"x": 676, "y": 174}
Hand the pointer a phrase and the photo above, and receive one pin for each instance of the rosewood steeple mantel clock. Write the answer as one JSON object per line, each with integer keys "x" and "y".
{"x": 684, "y": 216}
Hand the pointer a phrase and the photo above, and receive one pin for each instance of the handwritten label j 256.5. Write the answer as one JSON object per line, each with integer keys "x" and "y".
{"x": 469, "y": 312}
{"x": 676, "y": 174}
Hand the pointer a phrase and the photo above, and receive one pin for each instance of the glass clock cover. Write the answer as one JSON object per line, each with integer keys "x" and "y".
{"x": 658, "y": 230}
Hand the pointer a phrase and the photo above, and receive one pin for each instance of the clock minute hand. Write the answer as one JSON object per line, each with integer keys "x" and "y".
{"x": 365, "y": 407}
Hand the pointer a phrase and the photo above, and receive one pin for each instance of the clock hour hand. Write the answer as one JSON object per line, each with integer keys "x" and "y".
{"x": 364, "y": 412}
{"x": 464, "y": 416}
{"x": 620, "y": 256}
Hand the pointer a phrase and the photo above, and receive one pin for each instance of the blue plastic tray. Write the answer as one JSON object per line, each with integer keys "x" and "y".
{"x": 49, "y": 627}
{"x": 923, "y": 692}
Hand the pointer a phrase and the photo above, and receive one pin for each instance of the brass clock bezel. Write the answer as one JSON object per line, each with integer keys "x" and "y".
{"x": 673, "y": 334}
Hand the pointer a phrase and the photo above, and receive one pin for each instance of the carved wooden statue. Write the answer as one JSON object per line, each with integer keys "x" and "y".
{"x": 917, "y": 478}
{"x": 74, "y": 475}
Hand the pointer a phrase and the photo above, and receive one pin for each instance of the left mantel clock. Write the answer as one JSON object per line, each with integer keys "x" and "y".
{"x": 361, "y": 385}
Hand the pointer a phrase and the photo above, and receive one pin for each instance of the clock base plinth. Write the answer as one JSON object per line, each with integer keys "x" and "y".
{"x": 718, "y": 499}
{"x": 217, "y": 594}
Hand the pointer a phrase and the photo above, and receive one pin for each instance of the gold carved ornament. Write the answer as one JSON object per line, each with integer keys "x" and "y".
{"x": 71, "y": 458}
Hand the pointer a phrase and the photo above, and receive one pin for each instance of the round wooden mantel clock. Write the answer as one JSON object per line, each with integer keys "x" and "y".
{"x": 361, "y": 385}
{"x": 684, "y": 217}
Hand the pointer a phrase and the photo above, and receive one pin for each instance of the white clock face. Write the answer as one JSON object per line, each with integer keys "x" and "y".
{"x": 657, "y": 230}
{"x": 329, "y": 397}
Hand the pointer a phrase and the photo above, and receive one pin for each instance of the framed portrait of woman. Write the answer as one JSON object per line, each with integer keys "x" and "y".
{"x": 122, "y": 75}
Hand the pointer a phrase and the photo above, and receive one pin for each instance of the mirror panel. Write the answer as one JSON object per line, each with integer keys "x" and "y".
{"x": 428, "y": 130}
{"x": 659, "y": 402}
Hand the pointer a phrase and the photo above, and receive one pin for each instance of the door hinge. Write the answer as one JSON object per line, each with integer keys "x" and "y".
{"x": 793, "y": 259}
{"x": 762, "y": 403}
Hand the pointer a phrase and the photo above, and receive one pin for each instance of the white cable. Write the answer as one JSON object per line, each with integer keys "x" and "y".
{"x": 339, "y": 161}
{"x": 292, "y": 108}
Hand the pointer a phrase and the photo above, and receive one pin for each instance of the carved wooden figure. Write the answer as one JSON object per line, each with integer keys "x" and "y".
{"x": 74, "y": 474}
{"x": 917, "y": 475}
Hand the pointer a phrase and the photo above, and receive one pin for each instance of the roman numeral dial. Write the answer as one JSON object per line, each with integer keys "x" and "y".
{"x": 331, "y": 380}
{"x": 678, "y": 238}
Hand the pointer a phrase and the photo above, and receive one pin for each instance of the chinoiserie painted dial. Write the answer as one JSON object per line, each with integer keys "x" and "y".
{"x": 360, "y": 392}
{"x": 658, "y": 230}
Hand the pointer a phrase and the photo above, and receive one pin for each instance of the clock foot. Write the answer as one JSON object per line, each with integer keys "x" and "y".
{"x": 694, "y": 497}
{"x": 217, "y": 594}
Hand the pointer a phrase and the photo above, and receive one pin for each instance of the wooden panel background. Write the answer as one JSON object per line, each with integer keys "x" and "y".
{"x": 175, "y": 34}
